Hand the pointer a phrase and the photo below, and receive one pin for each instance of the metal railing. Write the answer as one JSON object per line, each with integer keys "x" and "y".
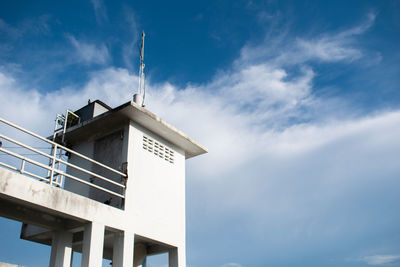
{"x": 55, "y": 175}
{"x": 63, "y": 121}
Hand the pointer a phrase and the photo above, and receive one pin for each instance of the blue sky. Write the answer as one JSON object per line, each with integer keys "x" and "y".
{"x": 298, "y": 103}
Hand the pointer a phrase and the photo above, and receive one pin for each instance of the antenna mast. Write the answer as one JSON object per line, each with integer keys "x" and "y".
{"x": 139, "y": 97}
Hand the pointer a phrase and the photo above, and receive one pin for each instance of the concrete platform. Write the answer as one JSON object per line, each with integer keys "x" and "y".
{"x": 45, "y": 209}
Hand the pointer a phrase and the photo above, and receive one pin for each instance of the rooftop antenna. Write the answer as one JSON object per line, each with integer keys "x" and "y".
{"x": 138, "y": 98}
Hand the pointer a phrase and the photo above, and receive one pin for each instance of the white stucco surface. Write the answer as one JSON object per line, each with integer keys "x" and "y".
{"x": 156, "y": 190}
{"x": 53, "y": 200}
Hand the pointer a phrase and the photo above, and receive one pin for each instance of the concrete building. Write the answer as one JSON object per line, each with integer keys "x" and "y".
{"x": 119, "y": 196}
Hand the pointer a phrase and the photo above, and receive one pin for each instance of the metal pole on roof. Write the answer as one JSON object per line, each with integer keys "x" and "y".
{"x": 140, "y": 96}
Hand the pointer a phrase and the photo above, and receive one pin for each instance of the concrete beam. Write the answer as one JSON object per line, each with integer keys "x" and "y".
{"x": 15, "y": 211}
{"x": 25, "y": 191}
{"x": 156, "y": 249}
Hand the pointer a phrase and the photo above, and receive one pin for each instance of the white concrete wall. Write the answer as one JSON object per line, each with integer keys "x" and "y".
{"x": 86, "y": 149}
{"x": 98, "y": 109}
{"x": 109, "y": 149}
{"x": 155, "y": 196}
{"x": 156, "y": 190}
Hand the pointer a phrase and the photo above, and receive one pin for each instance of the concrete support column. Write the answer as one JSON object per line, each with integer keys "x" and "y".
{"x": 123, "y": 250}
{"x": 176, "y": 257}
{"x": 140, "y": 255}
{"x": 92, "y": 247}
{"x": 61, "y": 249}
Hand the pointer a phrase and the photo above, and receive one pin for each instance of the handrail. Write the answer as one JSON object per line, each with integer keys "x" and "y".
{"x": 41, "y": 165}
{"x": 61, "y": 161}
{"x": 90, "y": 184}
{"x": 24, "y": 146}
{"x": 62, "y": 147}
{"x": 54, "y": 174}
{"x": 91, "y": 173}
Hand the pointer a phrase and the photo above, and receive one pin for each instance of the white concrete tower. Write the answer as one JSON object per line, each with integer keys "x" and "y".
{"x": 120, "y": 195}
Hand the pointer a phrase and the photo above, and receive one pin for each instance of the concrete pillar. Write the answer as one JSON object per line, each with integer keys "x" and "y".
{"x": 176, "y": 257}
{"x": 140, "y": 255}
{"x": 61, "y": 249}
{"x": 123, "y": 250}
{"x": 92, "y": 247}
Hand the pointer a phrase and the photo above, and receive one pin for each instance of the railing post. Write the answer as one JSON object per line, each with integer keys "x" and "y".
{"x": 22, "y": 166}
{"x": 61, "y": 180}
{"x": 53, "y": 163}
{"x": 58, "y": 168}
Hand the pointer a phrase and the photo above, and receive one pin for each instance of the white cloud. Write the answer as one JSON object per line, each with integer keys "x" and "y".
{"x": 380, "y": 259}
{"x": 235, "y": 135}
{"x": 328, "y": 47}
{"x": 130, "y": 48}
{"x": 246, "y": 109}
{"x": 100, "y": 11}
{"x": 20, "y": 104}
{"x": 89, "y": 53}
{"x": 362, "y": 27}
{"x": 334, "y": 47}
{"x": 281, "y": 178}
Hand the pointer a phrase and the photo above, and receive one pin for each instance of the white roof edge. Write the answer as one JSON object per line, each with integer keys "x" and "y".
{"x": 150, "y": 121}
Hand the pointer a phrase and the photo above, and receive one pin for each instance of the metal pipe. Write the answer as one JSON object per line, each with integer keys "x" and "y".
{"x": 57, "y": 171}
{"x": 25, "y": 146}
{"x": 61, "y": 161}
{"x": 55, "y": 160}
{"x": 53, "y": 164}
{"x": 36, "y": 176}
{"x": 91, "y": 173}
{"x": 62, "y": 147}
{"x": 21, "y": 170}
{"x": 90, "y": 184}
{"x": 26, "y": 159}
{"x": 8, "y": 166}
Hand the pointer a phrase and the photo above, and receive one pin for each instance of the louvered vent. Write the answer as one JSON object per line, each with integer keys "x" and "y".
{"x": 158, "y": 149}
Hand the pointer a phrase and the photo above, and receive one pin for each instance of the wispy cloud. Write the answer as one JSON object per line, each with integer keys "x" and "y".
{"x": 267, "y": 90}
{"x": 130, "y": 48}
{"x": 100, "y": 11}
{"x": 327, "y": 47}
{"x": 8, "y": 30}
{"x": 31, "y": 26}
{"x": 89, "y": 53}
{"x": 336, "y": 47}
{"x": 362, "y": 27}
{"x": 380, "y": 259}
